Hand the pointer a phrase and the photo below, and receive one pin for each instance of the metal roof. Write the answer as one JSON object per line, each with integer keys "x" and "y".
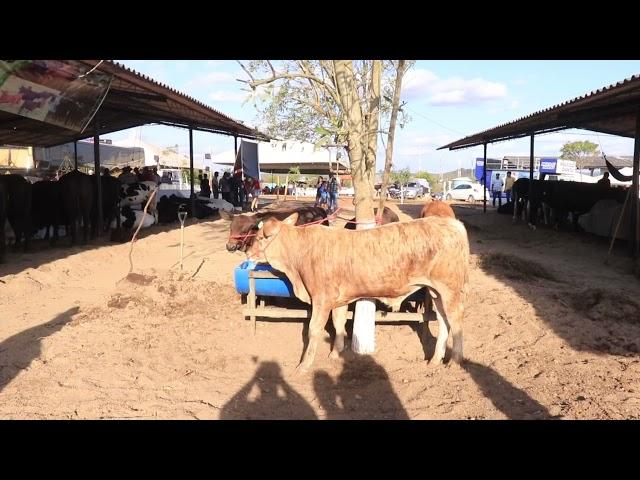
{"x": 610, "y": 110}
{"x": 133, "y": 100}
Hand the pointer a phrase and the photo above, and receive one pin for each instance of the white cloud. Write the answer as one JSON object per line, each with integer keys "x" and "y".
{"x": 212, "y": 78}
{"x": 227, "y": 96}
{"x": 421, "y": 83}
{"x": 514, "y": 104}
{"x": 418, "y": 145}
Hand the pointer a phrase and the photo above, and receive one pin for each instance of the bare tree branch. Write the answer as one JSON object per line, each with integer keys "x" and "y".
{"x": 247, "y": 72}
{"x": 272, "y": 69}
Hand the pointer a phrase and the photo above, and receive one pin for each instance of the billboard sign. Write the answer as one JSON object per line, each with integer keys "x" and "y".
{"x": 66, "y": 94}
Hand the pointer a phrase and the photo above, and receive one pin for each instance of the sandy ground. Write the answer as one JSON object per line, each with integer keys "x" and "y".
{"x": 78, "y": 341}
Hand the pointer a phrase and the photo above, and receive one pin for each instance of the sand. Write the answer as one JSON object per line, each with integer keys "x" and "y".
{"x": 80, "y": 341}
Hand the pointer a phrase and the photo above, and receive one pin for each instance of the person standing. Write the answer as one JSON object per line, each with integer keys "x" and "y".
{"x": 333, "y": 188}
{"x": 508, "y": 186}
{"x": 215, "y": 186}
{"x": 496, "y": 190}
{"x": 205, "y": 190}
{"x": 225, "y": 187}
{"x": 256, "y": 193}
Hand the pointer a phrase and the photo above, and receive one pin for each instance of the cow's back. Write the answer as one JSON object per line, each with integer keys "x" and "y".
{"x": 437, "y": 208}
{"x": 378, "y": 261}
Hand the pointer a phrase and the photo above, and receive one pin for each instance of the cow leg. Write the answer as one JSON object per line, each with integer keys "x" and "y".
{"x": 455, "y": 312}
{"x": 319, "y": 316}
{"x": 426, "y": 308}
{"x": 339, "y": 316}
{"x": 443, "y": 332}
{"x": 86, "y": 222}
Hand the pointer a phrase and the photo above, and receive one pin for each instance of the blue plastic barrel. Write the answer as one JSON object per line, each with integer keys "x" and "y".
{"x": 271, "y": 287}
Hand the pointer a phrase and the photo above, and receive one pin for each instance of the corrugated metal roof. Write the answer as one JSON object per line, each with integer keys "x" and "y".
{"x": 187, "y": 97}
{"x": 133, "y": 100}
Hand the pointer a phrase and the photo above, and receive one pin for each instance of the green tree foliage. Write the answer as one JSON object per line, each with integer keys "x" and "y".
{"x": 294, "y": 174}
{"x": 429, "y": 177}
{"x": 328, "y": 102}
{"x": 292, "y": 105}
{"x": 402, "y": 177}
{"x": 579, "y": 151}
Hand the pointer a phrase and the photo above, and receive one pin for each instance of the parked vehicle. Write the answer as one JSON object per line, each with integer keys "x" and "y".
{"x": 467, "y": 191}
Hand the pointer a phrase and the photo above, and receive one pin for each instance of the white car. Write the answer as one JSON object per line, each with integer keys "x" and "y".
{"x": 467, "y": 191}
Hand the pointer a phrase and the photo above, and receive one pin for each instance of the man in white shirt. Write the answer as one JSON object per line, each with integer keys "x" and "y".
{"x": 496, "y": 190}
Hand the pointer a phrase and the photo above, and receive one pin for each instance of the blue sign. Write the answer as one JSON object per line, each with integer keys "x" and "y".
{"x": 479, "y": 168}
{"x": 548, "y": 165}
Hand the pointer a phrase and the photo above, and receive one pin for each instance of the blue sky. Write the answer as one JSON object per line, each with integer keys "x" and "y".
{"x": 446, "y": 99}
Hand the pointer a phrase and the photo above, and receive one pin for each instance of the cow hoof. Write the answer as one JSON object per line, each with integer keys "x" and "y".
{"x": 436, "y": 361}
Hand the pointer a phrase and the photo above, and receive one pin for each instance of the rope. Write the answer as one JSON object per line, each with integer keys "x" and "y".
{"x": 333, "y": 216}
{"x": 85, "y": 74}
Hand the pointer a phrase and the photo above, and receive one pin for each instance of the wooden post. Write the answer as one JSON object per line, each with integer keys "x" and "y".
{"x": 286, "y": 187}
{"x": 251, "y": 299}
{"x": 530, "y": 179}
{"x": 278, "y": 188}
{"x": 634, "y": 236}
{"x": 96, "y": 164}
{"x": 484, "y": 181}
{"x": 191, "y": 173}
{"x": 75, "y": 154}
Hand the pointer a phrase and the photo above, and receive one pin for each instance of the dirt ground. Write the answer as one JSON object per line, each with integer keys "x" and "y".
{"x": 550, "y": 331}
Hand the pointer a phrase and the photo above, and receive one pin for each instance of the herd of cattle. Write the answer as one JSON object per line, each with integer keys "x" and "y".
{"x": 72, "y": 202}
{"x": 389, "y": 263}
{"x": 554, "y": 200}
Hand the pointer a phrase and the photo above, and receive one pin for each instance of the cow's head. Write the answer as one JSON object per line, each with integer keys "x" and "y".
{"x": 267, "y": 234}
{"x": 242, "y": 231}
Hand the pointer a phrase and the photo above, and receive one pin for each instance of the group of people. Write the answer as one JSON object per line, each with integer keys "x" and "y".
{"x": 498, "y": 186}
{"x": 233, "y": 189}
{"x": 327, "y": 193}
{"x": 129, "y": 176}
{"x": 237, "y": 192}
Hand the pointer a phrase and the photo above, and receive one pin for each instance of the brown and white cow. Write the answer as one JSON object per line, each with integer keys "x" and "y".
{"x": 437, "y": 208}
{"x": 389, "y": 263}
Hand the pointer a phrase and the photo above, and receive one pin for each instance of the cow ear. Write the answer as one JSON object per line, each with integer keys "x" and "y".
{"x": 291, "y": 219}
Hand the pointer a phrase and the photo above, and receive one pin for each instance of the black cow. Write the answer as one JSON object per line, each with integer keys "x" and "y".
{"x": 17, "y": 195}
{"x": 77, "y": 202}
{"x": 110, "y": 190}
{"x": 46, "y": 208}
{"x": 575, "y": 198}
{"x": 561, "y": 198}
{"x": 388, "y": 216}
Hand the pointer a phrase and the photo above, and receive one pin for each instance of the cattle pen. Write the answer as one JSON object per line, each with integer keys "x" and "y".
{"x": 612, "y": 110}
{"x": 256, "y": 305}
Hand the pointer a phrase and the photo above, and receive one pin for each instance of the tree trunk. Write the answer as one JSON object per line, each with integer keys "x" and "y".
{"x": 361, "y": 146}
{"x": 392, "y": 129}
